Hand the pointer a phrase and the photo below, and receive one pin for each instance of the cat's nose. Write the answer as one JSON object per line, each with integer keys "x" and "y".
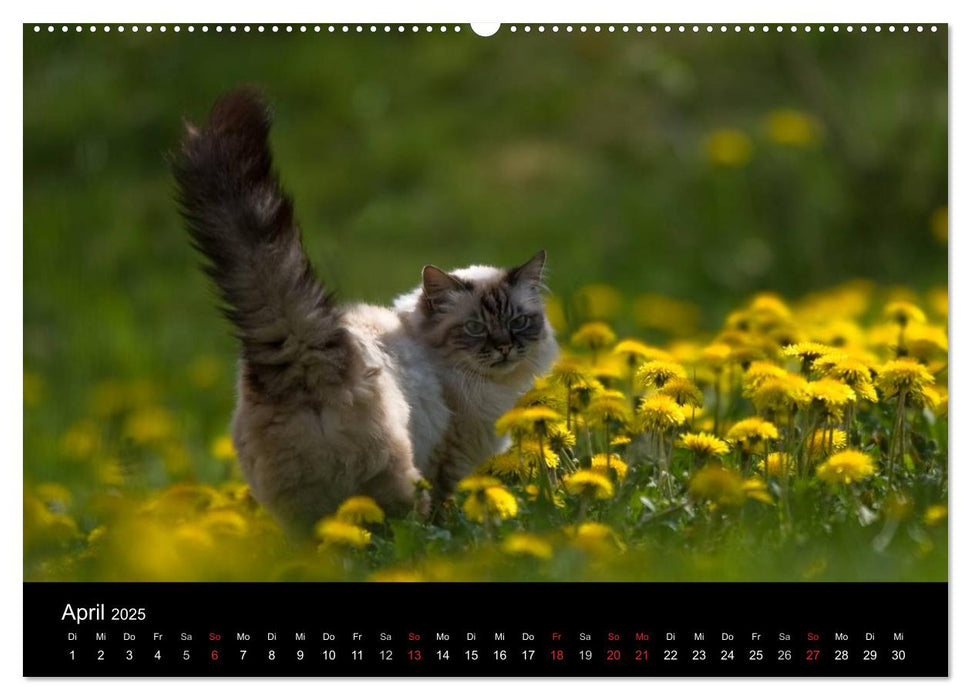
{"x": 504, "y": 349}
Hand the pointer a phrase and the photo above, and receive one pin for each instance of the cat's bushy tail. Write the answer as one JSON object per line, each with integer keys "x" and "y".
{"x": 241, "y": 220}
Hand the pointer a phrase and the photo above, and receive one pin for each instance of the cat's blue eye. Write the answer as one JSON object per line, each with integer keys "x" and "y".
{"x": 474, "y": 328}
{"x": 519, "y": 323}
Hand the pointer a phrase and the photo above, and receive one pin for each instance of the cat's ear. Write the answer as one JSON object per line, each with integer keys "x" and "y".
{"x": 530, "y": 272}
{"x": 437, "y": 285}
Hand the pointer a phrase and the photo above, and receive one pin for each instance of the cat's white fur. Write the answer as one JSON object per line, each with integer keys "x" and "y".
{"x": 408, "y": 415}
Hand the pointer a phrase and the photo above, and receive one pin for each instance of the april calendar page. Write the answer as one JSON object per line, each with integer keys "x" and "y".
{"x": 524, "y": 349}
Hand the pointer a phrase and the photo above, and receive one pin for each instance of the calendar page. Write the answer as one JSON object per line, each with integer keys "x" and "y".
{"x": 485, "y": 350}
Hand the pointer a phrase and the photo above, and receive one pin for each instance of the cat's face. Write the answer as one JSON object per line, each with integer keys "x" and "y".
{"x": 489, "y": 322}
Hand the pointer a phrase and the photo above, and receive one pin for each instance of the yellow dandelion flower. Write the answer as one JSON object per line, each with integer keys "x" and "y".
{"x": 599, "y": 301}
{"x": 494, "y": 502}
{"x": 222, "y": 448}
{"x": 902, "y": 374}
{"x": 476, "y": 483}
{"x": 608, "y": 407}
{"x": 544, "y": 392}
{"x": 602, "y": 465}
{"x": 838, "y": 333}
{"x": 704, "y": 444}
{"x": 925, "y": 341}
{"x": 831, "y": 394}
{"x": 360, "y": 509}
{"x": 728, "y": 147}
{"x": 340, "y": 533}
{"x": 757, "y": 490}
{"x": 533, "y": 493}
{"x": 682, "y": 390}
{"x": 777, "y": 463}
{"x": 55, "y": 496}
{"x": 791, "y": 127}
{"x": 193, "y": 537}
{"x": 825, "y": 440}
{"x": 808, "y": 352}
{"x": 569, "y": 371}
{"x": 935, "y": 514}
{"x": 531, "y": 419}
{"x": 659, "y": 413}
{"x": 760, "y": 372}
{"x": 523, "y": 544}
{"x": 594, "y": 335}
{"x": 109, "y": 398}
{"x": 719, "y": 485}
{"x": 653, "y": 374}
{"x": 716, "y": 354}
{"x": 769, "y": 307}
{"x": 620, "y": 441}
{"x": 224, "y": 522}
{"x": 903, "y": 313}
{"x": 505, "y": 464}
{"x": 81, "y": 441}
{"x": 559, "y": 437}
{"x": 237, "y": 491}
{"x": 846, "y": 467}
{"x": 855, "y": 372}
{"x": 97, "y": 535}
{"x": 937, "y": 301}
{"x": 536, "y": 454}
{"x": 610, "y": 369}
{"x": 184, "y": 500}
{"x": 924, "y": 397}
{"x": 596, "y": 538}
{"x": 749, "y": 430}
{"x": 780, "y": 394}
{"x": 109, "y": 472}
{"x": 634, "y": 351}
{"x": 46, "y": 528}
{"x": 751, "y": 349}
{"x": 587, "y": 482}
{"x": 149, "y": 425}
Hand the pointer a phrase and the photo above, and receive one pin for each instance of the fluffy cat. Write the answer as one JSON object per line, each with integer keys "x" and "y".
{"x": 335, "y": 399}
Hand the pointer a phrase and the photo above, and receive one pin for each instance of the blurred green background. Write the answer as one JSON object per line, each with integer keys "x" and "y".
{"x": 701, "y": 166}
